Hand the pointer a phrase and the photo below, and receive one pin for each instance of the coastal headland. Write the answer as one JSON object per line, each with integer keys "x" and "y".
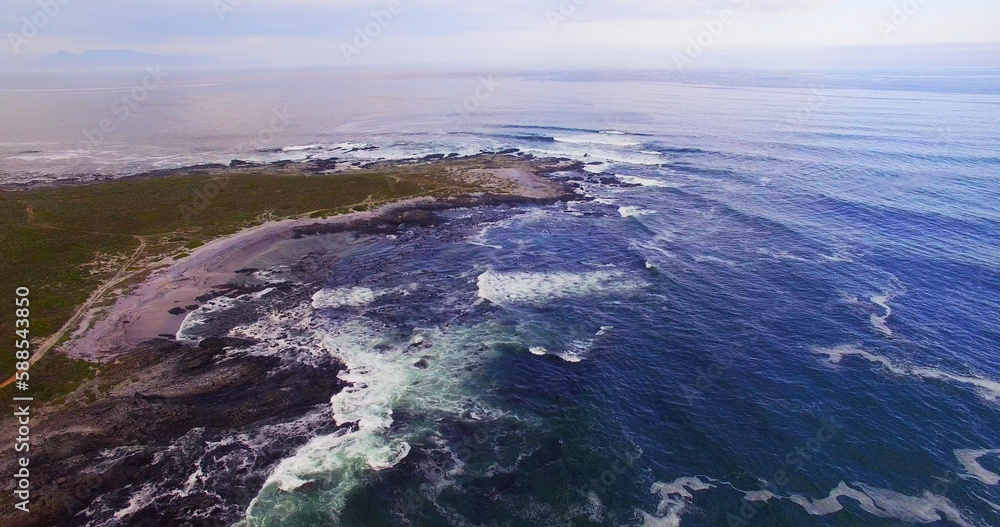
{"x": 114, "y": 267}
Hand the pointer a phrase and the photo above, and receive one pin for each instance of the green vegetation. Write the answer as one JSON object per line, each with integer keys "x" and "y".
{"x": 64, "y": 242}
{"x": 55, "y": 375}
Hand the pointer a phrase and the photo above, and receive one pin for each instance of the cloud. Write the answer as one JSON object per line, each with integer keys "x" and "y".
{"x": 639, "y": 33}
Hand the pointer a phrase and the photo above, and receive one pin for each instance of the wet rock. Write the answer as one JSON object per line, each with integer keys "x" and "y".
{"x": 151, "y": 397}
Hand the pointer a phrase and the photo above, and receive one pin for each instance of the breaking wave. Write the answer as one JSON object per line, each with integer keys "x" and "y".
{"x": 343, "y": 297}
{"x": 541, "y": 288}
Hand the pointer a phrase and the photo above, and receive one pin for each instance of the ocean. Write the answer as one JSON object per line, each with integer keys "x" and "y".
{"x": 776, "y": 302}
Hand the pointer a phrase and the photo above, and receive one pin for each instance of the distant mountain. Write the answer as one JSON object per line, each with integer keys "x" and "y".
{"x": 121, "y": 59}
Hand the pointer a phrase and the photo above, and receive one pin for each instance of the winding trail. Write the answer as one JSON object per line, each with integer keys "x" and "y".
{"x": 119, "y": 277}
{"x": 527, "y": 186}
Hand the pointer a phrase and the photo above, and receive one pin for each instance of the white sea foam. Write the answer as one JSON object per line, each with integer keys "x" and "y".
{"x": 929, "y": 508}
{"x": 704, "y": 258}
{"x": 142, "y": 497}
{"x": 481, "y": 238}
{"x": 382, "y": 377}
{"x": 353, "y": 146}
{"x": 262, "y": 293}
{"x": 758, "y": 496}
{"x": 590, "y": 152}
{"x": 198, "y": 318}
{"x": 375, "y": 382}
{"x": 634, "y": 212}
{"x": 674, "y": 498}
{"x": 645, "y": 182}
{"x": 879, "y": 321}
{"x": 970, "y": 460}
{"x": 598, "y": 139}
{"x": 596, "y": 169}
{"x": 343, "y": 297}
{"x": 926, "y": 508}
{"x": 570, "y": 356}
{"x": 992, "y": 505}
{"x": 481, "y": 244}
{"x": 540, "y": 288}
{"x": 302, "y": 148}
{"x": 781, "y": 255}
{"x": 850, "y": 299}
{"x": 836, "y": 258}
{"x": 654, "y": 246}
{"x": 988, "y": 389}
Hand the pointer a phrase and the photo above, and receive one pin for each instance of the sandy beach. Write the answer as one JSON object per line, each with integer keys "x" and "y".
{"x": 157, "y": 307}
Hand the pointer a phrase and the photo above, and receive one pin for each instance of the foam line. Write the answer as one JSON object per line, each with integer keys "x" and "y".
{"x": 987, "y": 388}
{"x": 674, "y": 498}
{"x": 970, "y": 460}
{"x": 929, "y": 508}
{"x": 879, "y": 322}
{"x": 926, "y": 508}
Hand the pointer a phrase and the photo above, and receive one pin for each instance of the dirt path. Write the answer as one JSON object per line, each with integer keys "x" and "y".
{"x": 528, "y": 184}
{"x": 119, "y": 277}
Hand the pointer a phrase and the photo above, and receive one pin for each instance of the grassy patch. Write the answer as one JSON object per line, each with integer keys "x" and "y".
{"x": 53, "y": 235}
{"x": 55, "y": 375}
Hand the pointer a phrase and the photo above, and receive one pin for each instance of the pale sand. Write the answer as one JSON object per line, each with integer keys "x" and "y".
{"x": 142, "y": 314}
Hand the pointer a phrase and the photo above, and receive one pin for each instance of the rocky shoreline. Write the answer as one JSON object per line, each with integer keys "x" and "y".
{"x": 104, "y": 439}
{"x": 97, "y": 448}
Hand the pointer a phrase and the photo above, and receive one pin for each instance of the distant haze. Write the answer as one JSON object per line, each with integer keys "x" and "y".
{"x": 530, "y": 34}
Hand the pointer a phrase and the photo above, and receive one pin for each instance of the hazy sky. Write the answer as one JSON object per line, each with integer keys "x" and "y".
{"x": 518, "y": 33}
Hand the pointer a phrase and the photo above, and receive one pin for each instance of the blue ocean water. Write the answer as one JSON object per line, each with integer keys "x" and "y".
{"x": 792, "y": 320}
{"x": 788, "y": 316}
